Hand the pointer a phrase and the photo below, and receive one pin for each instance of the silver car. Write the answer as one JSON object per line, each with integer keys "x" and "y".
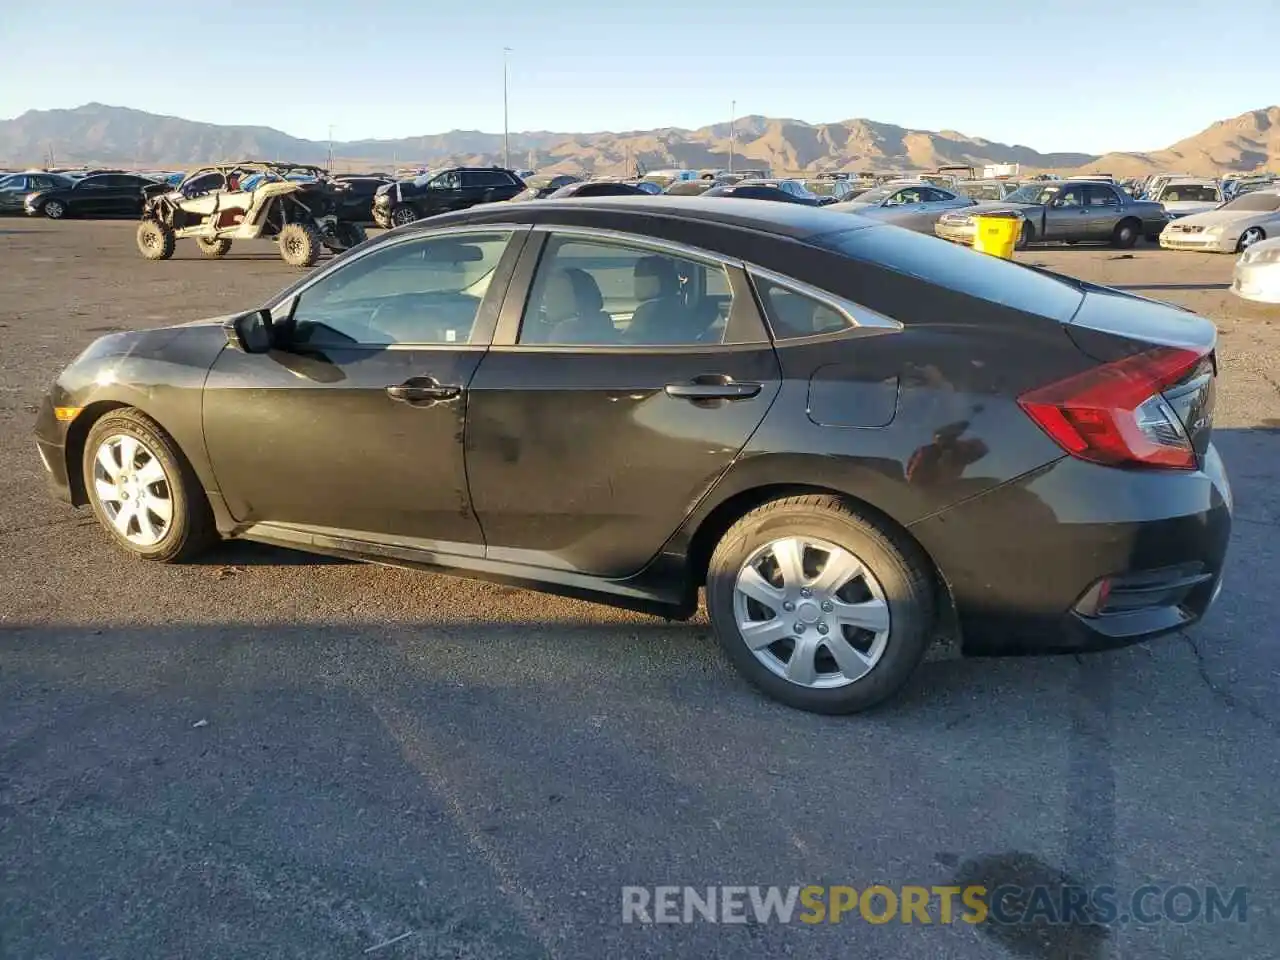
{"x": 1232, "y": 228}
{"x": 1257, "y": 273}
{"x": 913, "y": 204}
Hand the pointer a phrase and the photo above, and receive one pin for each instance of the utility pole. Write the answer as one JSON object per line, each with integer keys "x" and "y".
{"x": 733, "y": 129}
{"x": 506, "y": 136}
{"x": 329, "y": 166}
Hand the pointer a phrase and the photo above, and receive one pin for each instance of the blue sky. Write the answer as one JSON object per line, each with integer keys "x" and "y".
{"x": 1083, "y": 75}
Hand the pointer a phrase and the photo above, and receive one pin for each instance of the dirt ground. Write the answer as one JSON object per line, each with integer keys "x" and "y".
{"x": 271, "y": 755}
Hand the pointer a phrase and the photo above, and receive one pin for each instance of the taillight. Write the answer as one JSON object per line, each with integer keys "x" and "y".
{"x": 1116, "y": 414}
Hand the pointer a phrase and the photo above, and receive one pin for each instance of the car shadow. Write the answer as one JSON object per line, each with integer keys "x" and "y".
{"x": 246, "y": 553}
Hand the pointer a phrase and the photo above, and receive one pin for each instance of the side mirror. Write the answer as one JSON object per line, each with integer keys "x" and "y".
{"x": 250, "y": 332}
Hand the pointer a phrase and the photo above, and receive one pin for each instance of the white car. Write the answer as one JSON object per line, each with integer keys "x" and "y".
{"x": 1186, "y": 196}
{"x": 1231, "y": 228}
{"x": 1257, "y": 275}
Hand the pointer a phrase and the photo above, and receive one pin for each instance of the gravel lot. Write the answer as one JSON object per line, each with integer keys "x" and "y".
{"x": 270, "y": 755}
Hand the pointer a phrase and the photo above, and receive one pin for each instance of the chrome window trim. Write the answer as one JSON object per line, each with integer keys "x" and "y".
{"x": 644, "y": 242}
{"x": 858, "y": 316}
{"x": 341, "y": 262}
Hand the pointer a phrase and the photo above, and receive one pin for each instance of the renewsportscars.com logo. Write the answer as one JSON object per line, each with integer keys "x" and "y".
{"x": 880, "y": 904}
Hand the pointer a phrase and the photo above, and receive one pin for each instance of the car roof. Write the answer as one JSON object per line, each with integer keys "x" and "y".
{"x": 793, "y": 221}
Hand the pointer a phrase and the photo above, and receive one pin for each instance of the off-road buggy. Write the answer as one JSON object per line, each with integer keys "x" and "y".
{"x": 294, "y": 204}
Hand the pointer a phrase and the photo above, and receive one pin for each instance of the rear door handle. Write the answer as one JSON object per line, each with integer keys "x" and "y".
{"x": 422, "y": 390}
{"x": 712, "y": 387}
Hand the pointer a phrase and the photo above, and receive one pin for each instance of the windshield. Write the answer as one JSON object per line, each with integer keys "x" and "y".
{"x": 878, "y": 195}
{"x": 982, "y": 191}
{"x": 1198, "y": 192}
{"x": 1256, "y": 203}
{"x": 1032, "y": 193}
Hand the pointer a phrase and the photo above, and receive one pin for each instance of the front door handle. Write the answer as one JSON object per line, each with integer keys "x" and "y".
{"x": 716, "y": 386}
{"x": 424, "y": 390}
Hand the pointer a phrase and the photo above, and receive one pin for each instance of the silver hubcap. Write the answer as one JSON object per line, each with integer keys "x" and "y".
{"x": 1251, "y": 236}
{"x": 402, "y": 217}
{"x": 133, "y": 489}
{"x": 53, "y": 208}
{"x": 811, "y": 612}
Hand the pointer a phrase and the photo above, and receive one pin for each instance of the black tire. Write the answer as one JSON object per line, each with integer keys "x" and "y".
{"x": 349, "y": 234}
{"x": 155, "y": 240}
{"x": 1249, "y": 238}
{"x": 213, "y": 249}
{"x": 53, "y": 209}
{"x": 402, "y": 214}
{"x": 300, "y": 244}
{"x": 1025, "y": 237}
{"x": 1126, "y": 234}
{"x": 895, "y": 562}
{"x": 191, "y": 528}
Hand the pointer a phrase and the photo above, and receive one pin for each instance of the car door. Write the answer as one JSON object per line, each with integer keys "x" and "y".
{"x": 90, "y": 196}
{"x": 1066, "y": 217}
{"x": 354, "y": 424}
{"x": 1104, "y": 209}
{"x": 614, "y": 396}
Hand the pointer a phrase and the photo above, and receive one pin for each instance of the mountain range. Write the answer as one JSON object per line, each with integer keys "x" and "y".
{"x": 99, "y": 134}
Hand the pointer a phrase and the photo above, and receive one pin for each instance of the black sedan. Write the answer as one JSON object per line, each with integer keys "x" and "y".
{"x": 759, "y": 191}
{"x": 850, "y": 434}
{"x": 355, "y": 200}
{"x": 16, "y": 187}
{"x": 100, "y": 195}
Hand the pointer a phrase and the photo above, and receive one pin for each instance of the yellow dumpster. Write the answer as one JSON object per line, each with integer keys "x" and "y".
{"x": 997, "y": 233}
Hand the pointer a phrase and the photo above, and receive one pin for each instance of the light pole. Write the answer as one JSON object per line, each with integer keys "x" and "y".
{"x": 506, "y": 136}
{"x": 733, "y": 126}
{"x": 329, "y": 167}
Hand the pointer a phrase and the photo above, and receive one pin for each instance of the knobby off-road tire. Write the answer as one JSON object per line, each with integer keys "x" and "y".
{"x": 300, "y": 244}
{"x": 155, "y": 240}
{"x": 143, "y": 491}
{"x": 889, "y": 587}
{"x": 215, "y": 248}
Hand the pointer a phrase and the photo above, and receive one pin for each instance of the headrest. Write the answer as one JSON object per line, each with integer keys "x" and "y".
{"x": 559, "y": 301}
{"x": 586, "y": 291}
{"x": 655, "y": 277}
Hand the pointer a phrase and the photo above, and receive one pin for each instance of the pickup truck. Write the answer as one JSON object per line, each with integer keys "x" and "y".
{"x": 1065, "y": 211}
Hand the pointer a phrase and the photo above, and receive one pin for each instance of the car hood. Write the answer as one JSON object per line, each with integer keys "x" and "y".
{"x": 1188, "y": 207}
{"x": 1227, "y": 218}
{"x": 176, "y": 342}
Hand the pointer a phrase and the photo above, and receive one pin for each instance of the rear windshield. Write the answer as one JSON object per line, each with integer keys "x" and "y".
{"x": 958, "y": 268}
{"x": 1200, "y": 193}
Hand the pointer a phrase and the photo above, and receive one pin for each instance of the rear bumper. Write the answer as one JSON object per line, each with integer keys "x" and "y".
{"x": 1028, "y": 562}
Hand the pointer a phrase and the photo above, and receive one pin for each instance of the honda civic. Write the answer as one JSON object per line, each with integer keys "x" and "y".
{"x": 856, "y": 438}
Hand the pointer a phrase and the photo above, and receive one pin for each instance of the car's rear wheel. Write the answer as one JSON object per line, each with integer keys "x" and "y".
{"x": 349, "y": 234}
{"x": 143, "y": 491}
{"x": 300, "y": 244}
{"x": 54, "y": 209}
{"x": 1125, "y": 234}
{"x": 402, "y": 215}
{"x": 1249, "y": 238}
{"x": 213, "y": 248}
{"x": 1025, "y": 236}
{"x": 155, "y": 240}
{"x": 819, "y": 605}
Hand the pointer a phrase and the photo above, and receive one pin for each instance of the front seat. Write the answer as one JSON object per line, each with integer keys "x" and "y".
{"x": 559, "y": 306}
{"x": 589, "y": 324}
{"x": 660, "y": 316}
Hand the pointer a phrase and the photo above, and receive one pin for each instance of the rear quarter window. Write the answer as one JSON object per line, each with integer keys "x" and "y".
{"x": 957, "y": 268}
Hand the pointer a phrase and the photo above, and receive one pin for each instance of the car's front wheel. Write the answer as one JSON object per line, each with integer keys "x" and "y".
{"x": 822, "y": 607}
{"x": 143, "y": 491}
{"x": 155, "y": 240}
{"x": 402, "y": 215}
{"x": 1249, "y": 238}
{"x": 54, "y": 209}
{"x": 1025, "y": 236}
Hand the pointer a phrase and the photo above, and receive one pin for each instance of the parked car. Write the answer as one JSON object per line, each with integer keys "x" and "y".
{"x": 295, "y": 205}
{"x": 1257, "y": 272}
{"x": 913, "y": 204}
{"x": 796, "y": 188}
{"x": 97, "y": 195}
{"x": 1184, "y": 196}
{"x": 1066, "y": 210}
{"x": 355, "y": 202}
{"x": 16, "y": 187}
{"x": 691, "y": 188}
{"x": 542, "y": 186}
{"x": 598, "y": 188}
{"x": 986, "y": 189}
{"x": 829, "y": 189}
{"x": 628, "y": 399}
{"x": 758, "y": 191}
{"x": 447, "y": 190}
{"x": 1232, "y": 228}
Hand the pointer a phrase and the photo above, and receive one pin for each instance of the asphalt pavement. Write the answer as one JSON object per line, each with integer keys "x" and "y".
{"x": 271, "y": 755}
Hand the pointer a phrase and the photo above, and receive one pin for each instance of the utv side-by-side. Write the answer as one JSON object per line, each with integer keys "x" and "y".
{"x": 293, "y": 204}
